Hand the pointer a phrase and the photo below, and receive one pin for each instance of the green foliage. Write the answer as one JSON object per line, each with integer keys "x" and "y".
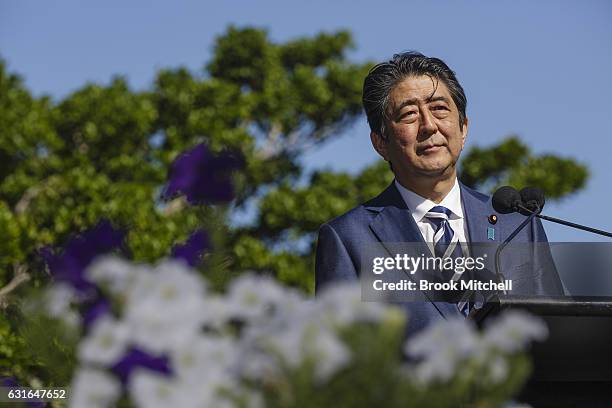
{"x": 511, "y": 163}
{"x": 13, "y": 357}
{"x": 11, "y": 234}
{"x": 327, "y": 195}
{"x": 375, "y": 351}
{"x": 35, "y": 346}
{"x": 52, "y": 346}
{"x": 291, "y": 216}
{"x": 316, "y": 51}
{"x": 557, "y": 177}
{"x": 376, "y": 376}
{"x": 104, "y": 151}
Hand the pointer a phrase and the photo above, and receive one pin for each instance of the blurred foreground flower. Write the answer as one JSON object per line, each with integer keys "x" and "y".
{"x": 454, "y": 348}
{"x": 192, "y": 250}
{"x": 69, "y": 265}
{"x": 81, "y": 279}
{"x": 169, "y": 340}
{"x": 514, "y": 330}
{"x": 203, "y": 177}
{"x": 10, "y": 383}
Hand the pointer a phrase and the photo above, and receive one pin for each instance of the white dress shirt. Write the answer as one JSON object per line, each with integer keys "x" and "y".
{"x": 419, "y": 206}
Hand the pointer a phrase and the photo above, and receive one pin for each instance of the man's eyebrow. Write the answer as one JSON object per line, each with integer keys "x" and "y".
{"x": 406, "y": 102}
{"x": 438, "y": 99}
{"x": 413, "y": 101}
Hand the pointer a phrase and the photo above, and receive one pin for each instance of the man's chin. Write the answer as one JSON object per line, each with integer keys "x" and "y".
{"x": 436, "y": 169}
{"x": 439, "y": 169}
{"x": 441, "y": 172}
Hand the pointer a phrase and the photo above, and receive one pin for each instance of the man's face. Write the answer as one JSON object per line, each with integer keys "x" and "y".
{"x": 423, "y": 136}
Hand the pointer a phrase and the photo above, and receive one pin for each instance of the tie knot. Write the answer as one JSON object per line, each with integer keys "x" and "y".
{"x": 439, "y": 212}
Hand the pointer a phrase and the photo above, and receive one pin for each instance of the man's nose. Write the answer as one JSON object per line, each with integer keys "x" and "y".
{"x": 428, "y": 124}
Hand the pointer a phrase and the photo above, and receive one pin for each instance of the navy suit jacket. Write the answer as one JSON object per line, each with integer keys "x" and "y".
{"x": 386, "y": 219}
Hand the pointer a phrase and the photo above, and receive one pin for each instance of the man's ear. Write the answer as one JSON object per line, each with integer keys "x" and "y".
{"x": 380, "y": 144}
{"x": 464, "y": 132}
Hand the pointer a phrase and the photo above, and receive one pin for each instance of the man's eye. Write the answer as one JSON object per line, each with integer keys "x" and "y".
{"x": 407, "y": 114}
{"x": 439, "y": 108}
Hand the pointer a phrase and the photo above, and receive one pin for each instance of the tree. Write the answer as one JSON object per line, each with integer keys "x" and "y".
{"x": 511, "y": 163}
{"x": 104, "y": 151}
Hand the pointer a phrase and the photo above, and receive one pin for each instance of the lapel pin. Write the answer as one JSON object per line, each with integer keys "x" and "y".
{"x": 492, "y": 219}
{"x": 491, "y": 233}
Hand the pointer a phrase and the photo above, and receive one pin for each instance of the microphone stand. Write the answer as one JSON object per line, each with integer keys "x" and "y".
{"x": 500, "y": 248}
{"x": 567, "y": 223}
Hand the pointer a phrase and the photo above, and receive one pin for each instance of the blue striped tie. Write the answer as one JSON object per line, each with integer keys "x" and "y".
{"x": 445, "y": 242}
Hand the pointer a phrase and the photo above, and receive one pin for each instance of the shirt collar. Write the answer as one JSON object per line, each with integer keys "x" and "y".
{"x": 419, "y": 206}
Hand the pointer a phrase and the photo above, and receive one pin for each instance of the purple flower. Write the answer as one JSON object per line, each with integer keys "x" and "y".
{"x": 98, "y": 309}
{"x": 69, "y": 266}
{"x": 202, "y": 176}
{"x": 137, "y": 358}
{"x": 192, "y": 250}
{"x": 10, "y": 383}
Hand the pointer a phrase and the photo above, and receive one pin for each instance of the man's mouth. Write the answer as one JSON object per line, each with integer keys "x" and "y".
{"x": 431, "y": 149}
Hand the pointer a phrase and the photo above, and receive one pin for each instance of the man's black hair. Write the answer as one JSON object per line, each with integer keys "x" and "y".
{"x": 384, "y": 76}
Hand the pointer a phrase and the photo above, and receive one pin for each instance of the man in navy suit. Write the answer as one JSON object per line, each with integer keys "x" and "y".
{"x": 416, "y": 110}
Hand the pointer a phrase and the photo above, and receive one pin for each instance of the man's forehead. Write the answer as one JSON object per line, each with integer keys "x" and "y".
{"x": 415, "y": 89}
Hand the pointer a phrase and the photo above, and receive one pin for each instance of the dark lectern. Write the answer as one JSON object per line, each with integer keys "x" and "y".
{"x": 573, "y": 367}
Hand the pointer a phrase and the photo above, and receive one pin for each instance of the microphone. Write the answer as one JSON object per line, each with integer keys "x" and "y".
{"x": 533, "y": 197}
{"x": 507, "y": 200}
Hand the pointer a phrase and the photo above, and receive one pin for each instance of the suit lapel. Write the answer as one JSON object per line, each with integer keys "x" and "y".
{"x": 395, "y": 224}
{"x": 477, "y": 210}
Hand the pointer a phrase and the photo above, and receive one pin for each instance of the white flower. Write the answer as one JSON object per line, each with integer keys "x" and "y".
{"x": 139, "y": 285}
{"x": 57, "y": 301}
{"x": 215, "y": 312}
{"x": 331, "y": 354}
{"x": 115, "y": 273}
{"x": 441, "y": 347}
{"x": 166, "y": 306}
{"x": 256, "y": 364}
{"x": 341, "y": 304}
{"x": 288, "y": 344}
{"x": 498, "y": 369}
{"x": 158, "y": 335}
{"x": 106, "y": 342}
{"x": 434, "y": 369}
{"x": 291, "y": 310}
{"x": 457, "y": 336}
{"x": 93, "y": 388}
{"x": 170, "y": 283}
{"x": 513, "y": 330}
{"x": 151, "y": 390}
{"x": 252, "y": 297}
{"x": 204, "y": 358}
{"x": 291, "y": 307}
{"x": 310, "y": 340}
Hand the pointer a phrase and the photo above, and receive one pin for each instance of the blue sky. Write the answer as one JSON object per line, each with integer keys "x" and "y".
{"x": 537, "y": 69}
